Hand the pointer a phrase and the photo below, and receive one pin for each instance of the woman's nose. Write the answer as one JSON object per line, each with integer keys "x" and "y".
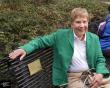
{"x": 82, "y": 25}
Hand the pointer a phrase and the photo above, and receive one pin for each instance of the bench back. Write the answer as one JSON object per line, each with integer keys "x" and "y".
{"x": 34, "y": 71}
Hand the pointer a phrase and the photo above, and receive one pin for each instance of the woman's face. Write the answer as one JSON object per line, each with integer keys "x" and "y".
{"x": 80, "y": 25}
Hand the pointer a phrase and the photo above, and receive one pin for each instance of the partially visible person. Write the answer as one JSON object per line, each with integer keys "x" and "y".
{"x": 104, "y": 34}
{"x": 104, "y": 38}
{"x": 75, "y": 52}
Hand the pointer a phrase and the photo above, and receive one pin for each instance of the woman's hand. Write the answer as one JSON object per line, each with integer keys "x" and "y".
{"x": 96, "y": 80}
{"x": 17, "y": 53}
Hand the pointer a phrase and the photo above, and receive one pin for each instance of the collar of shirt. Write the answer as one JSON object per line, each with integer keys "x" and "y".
{"x": 75, "y": 37}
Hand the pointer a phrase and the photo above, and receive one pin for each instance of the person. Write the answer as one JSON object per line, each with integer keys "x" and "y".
{"x": 104, "y": 34}
{"x": 75, "y": 51}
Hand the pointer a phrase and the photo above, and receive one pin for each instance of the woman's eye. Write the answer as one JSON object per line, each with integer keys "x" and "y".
{"x": 78, "y": 22}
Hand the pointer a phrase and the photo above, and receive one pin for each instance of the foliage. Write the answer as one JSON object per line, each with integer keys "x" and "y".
{"x": 25, "y": 19}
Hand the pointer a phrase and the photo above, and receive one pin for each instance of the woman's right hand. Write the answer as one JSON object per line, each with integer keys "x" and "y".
{"x": 17, "y": 53}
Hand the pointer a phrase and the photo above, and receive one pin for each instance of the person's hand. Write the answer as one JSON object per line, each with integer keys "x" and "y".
{"x": 96, "y": 80}
{"x": 17, "y": 53}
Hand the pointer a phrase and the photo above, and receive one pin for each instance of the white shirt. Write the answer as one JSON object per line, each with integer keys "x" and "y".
{"x": 79, "y": 62}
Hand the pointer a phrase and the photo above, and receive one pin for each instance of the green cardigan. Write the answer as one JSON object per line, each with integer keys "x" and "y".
{"x": 62, "y": 43}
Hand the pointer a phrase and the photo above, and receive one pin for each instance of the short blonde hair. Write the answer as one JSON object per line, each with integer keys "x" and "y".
{"x": 79, "y": 12}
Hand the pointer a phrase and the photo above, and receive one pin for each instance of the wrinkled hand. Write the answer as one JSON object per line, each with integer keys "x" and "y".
{"x": 96, "y": 80}
{"x": 17, "y": 53}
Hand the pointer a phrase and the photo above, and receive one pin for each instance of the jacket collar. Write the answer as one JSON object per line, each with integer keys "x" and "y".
{"x": 71, "y": 38}
{"x": 88, "y": 45}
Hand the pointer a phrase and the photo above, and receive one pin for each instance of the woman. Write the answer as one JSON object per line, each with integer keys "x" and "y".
{"x": 75, "y": 51}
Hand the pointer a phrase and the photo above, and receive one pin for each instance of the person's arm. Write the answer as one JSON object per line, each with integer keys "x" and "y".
{"x": 39, "y": 42}
{"x": 100, "y": 60}
{"x": 101, "y": 69}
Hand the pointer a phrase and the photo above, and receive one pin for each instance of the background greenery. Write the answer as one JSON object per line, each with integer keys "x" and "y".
{"x": 22, "y": 20}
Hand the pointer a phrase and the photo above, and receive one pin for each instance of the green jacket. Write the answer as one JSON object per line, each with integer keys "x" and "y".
{"x": 62, "y": 43}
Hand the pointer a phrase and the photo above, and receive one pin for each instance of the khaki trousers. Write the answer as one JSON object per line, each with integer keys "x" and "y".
{"x": 74, "y": 81}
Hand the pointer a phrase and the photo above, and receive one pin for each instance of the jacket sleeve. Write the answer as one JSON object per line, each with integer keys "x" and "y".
{"x": 39, "y": 42}
{"x": 101, "y": 65}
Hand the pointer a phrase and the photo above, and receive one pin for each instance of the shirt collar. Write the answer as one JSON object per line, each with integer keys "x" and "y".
{"x": 75, "y": 37}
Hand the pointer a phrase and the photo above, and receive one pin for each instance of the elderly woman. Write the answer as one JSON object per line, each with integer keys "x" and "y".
{"x": 75, "y": 51}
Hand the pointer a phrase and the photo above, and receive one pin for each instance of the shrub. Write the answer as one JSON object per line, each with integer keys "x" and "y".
{"x": 28, "y": 19}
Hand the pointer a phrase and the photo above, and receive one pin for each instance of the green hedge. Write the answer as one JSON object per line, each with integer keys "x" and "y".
{"x": 27, "y": 19}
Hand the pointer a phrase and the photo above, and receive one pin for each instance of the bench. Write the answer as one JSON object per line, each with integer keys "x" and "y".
{"x": 24, "y": 74}
{"x": 34, "y": 71}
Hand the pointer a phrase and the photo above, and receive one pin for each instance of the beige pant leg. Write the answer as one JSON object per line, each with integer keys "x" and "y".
{"x": 75, "y": 82}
